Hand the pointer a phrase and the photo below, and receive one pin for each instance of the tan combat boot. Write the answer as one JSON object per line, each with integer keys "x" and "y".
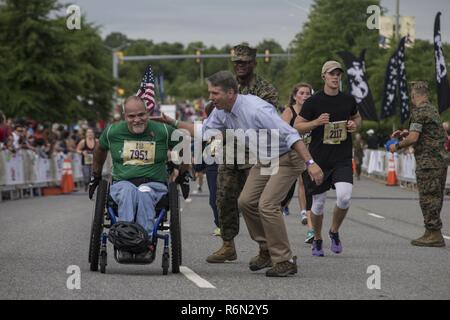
{"x": 431, "y": 238}
{"x": 261, "y": 261}
{"x": 226, "y": 253}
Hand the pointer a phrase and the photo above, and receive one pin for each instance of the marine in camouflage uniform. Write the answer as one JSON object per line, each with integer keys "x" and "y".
{"x": 232, "y": 177}
{"x": 428, "y": 137}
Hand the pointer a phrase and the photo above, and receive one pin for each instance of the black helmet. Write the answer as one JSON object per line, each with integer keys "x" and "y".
{"x": 129, "y": 236}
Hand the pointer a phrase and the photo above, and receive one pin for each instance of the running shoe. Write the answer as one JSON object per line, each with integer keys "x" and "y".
{"x": 336, "y": 244}
{"x": 309, "y": 236}
{"x": 303, "y": 217}
{"x": 317, "y": 249}
{"x": 286, "y": 211}
{"x": 216, "y": 232}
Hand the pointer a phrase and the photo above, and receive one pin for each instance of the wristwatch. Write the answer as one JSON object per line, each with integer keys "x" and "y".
{"x": 309, "y": 162}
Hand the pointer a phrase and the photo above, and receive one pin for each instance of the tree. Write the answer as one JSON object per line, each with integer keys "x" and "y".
{"x": 49, "y": 72}
{"x": 332, "y": 26}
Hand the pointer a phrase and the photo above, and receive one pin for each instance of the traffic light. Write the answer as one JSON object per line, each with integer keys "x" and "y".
{"x": 119, "y": 55}
{"x": 267, "y": 56}
{"x": 198, "y": 53}
{"x": 120, "y": 92}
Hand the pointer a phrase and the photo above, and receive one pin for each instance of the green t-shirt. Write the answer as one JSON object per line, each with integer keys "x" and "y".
{"x": 138, "y": 155}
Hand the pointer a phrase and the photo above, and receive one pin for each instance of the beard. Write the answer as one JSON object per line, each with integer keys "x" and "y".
{"x": 138, "y": 129}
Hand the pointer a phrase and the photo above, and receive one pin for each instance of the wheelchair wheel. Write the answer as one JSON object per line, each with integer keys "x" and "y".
{"x": 97, "y": 225}
{"x": 175, "y": 228}
{"x": 103, "y": 262}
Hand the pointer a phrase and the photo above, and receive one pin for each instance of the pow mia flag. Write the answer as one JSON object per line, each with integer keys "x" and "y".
{"x": 358, "y": 85}
{"x": 441, "y": 70}
{"x": 396, "y": 78}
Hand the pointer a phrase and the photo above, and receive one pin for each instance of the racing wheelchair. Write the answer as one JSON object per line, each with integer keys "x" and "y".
{"x": 166, "y": 227}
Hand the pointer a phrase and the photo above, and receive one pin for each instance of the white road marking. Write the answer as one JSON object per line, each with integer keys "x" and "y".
{"x": 195, "y": 278}
{"x": 375, "y": 215}
{"x": 447, "y": 237}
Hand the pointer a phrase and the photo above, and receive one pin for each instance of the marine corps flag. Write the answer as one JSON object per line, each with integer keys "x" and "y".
{"x": 357, "y": 82}
{"x": 443, "y": 89}
{"x": 396, "y": 78}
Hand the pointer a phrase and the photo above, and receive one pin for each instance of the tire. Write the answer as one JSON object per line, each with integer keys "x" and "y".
{"x": 175, "y": 227}
{"x": 165, "y": 262}
{"x": 103, "y": 262}
{"x": 97, "y": 225}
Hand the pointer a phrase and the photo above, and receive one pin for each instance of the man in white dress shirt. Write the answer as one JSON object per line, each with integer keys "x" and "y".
{"x": 262, "y": 194}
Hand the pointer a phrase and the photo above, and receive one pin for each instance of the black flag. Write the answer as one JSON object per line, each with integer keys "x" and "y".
{"x": 443, "y": 89}
{"x": 396, "y": 78}
{"x": 357, "y": 82}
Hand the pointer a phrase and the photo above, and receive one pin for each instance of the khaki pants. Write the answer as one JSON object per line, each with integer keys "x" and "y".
{"x": 260, "y": 203}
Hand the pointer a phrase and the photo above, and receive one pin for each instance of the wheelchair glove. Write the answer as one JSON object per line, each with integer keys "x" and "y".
{"x": 95, "y": 180}
{"x": 183, "y": 181}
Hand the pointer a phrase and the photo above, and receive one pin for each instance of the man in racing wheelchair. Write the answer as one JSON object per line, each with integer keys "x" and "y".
{"x": 139, "y": 150}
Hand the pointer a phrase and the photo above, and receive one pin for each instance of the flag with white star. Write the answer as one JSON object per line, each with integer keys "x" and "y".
{"x": 396, "y": 78}
{"x": 147, "y": 89}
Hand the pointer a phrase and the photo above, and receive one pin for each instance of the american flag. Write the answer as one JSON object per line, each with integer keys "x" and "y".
{"x": 147, "y": 89}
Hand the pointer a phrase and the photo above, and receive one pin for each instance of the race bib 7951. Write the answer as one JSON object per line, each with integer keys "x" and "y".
{"x": 138, "y": 153}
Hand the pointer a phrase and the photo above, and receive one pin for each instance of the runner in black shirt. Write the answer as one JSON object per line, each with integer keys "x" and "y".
{"x": 332, "y": 116}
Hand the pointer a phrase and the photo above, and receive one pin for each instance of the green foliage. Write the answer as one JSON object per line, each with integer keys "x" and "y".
{"x": 333, "y": 26}
{"x": 47, "y": 71}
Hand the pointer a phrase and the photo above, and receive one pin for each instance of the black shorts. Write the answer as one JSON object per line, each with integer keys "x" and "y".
{"x": 342, "y": 172}
{"x": 290, "y": 195}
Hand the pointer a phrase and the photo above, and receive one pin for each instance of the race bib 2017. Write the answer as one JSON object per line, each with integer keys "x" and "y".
{"x": 335, "y": 132}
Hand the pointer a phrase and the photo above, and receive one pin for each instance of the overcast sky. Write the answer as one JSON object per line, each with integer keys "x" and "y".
{"x": 220, "y": 22}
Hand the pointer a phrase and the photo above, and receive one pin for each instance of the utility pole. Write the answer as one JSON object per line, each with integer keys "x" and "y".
{"x": 115, "y": 69}
{"x": 115, "y": 60}
{"x": 200, "y": 62}
{"x": 397, "y": 20}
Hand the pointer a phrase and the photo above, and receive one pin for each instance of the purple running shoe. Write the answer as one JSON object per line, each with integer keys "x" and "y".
{"x": 336, "y": 244}
{"x": 317, "y": 250}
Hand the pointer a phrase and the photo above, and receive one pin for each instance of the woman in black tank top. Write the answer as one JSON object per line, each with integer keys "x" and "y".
{"x": 86, "y": 148}
{"x": 300, "y": 93}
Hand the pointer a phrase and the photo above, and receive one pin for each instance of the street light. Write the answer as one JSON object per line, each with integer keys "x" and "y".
{"x": 115, "y": 58}
{"x": 115, "y": 69}
{"x": 200, "y": 61}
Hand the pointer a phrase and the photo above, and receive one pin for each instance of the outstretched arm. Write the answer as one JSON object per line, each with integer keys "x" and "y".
{"x": 189, "y": 126}
{"x": 100, "y": 155}
{"x": 303, "y": 125}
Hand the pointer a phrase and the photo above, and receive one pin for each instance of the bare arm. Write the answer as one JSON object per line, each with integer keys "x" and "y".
{"x": 409, "y": 140}
{"x": 354, "y": 122}
{"x": 287, "y": 115}
{"x": 80, "y": 146}
{"x": 303, "y": 125}
{"x": 175, "y": 123}
{"x": 100, "y": 155}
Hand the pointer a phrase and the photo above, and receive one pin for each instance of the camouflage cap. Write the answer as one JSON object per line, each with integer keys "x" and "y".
{"x": 419, "y": 85}
{"x": 243, "y": 52}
